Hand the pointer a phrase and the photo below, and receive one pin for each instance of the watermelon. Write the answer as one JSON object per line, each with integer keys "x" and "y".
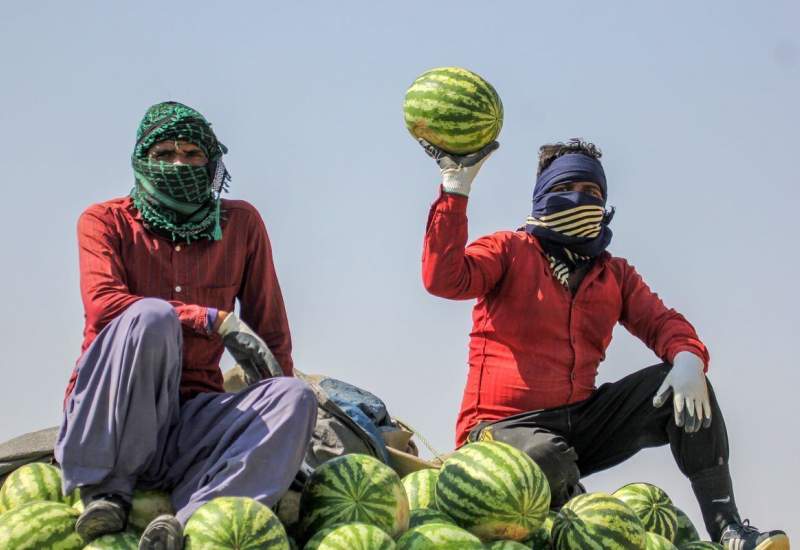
{"x": 421, "y": 488}
{"x": 351, "y": 536}
{"x": 453, "y": 109}
{"x": 147, "y": 506}
{"x": 506, "y": 545}
{"x": 653, "y": 507}
{"x": 354, "y": 488}
{"x": 701, "y": 545}
{"x": 235, "y": 522}
{"x": 421, "y": 516}
{"x": 541, "y": 537}
{"x": 654, "y": 541}
{"x": 438, "y": 536}
{"x": 40, "y": 524}
{"x": 115, "y": 541}
{"x": 597, "y": 520}
{"x": 493, "y": 490}
{"x": 31, "y": 482}
{"x": 686, "y": 531}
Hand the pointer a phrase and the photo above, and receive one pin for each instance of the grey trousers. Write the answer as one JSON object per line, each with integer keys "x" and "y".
{"x": 124, "y": 425}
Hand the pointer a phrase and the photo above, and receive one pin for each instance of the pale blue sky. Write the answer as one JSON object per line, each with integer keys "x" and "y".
{"x": 693, "y": 103}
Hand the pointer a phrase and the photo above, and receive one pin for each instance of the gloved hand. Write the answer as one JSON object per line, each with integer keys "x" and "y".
{"x": 458, "y": 171}
{"x": 250, "y": 351}
{"x": 687, "y": 381}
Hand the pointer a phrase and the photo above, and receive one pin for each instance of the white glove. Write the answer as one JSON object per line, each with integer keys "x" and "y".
{"x": 687, "y": 381}
{"x": 458, "y": 171}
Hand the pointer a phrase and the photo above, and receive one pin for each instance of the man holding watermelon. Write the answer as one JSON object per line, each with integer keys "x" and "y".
{"x": 145, "y": 407}
{"x": 548, "y": 296}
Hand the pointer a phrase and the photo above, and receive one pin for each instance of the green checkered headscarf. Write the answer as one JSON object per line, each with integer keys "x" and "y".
{"x": 178, "y": 200}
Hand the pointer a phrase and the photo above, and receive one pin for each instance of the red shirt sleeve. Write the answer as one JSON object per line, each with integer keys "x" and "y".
{"x": 260, "y": 297}
{"x": 663, "y": 330}
{"x": 104, "y": 290}
{"x": 450, "y": 269}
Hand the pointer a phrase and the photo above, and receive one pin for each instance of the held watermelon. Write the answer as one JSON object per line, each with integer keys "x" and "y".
{"x": 38, "y": 525}
{"x": 351, "y": 536}
{"x": 597, "y": 520}
{"x": 654, "y": 541}
{"x": 354, "y": 488}
{"x": 453, "y": 109}
{"x": 494, "y": 491}
{"x": 438, "y": 536}
{"x": 653, "y": 507}
{"x": 115, "y": 541}
{"x": 29, "y": 483}
{"x": 235, "y": 522}
{"x": 421, "y": 488}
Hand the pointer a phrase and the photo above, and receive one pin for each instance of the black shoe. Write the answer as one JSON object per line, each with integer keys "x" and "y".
{"x": 743, "y": 536}
{"x": 103, "y": 515}
{"x": 164, "y": 533}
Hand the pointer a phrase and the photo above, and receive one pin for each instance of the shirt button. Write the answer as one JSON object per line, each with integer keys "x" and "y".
{"x": 178, "y": 288}
{"x": 178, "y": 248}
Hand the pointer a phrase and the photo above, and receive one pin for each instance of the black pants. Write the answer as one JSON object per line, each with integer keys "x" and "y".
{"x": 615, "y": 423}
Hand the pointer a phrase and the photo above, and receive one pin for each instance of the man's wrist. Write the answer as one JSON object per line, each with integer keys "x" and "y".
{"x": 221, "y": 316}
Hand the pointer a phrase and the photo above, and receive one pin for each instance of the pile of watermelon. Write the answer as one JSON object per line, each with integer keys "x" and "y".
{"x": 487, "y": 495}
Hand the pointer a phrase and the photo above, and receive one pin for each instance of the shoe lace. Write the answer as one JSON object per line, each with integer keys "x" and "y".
{"x": 744, "y": 528}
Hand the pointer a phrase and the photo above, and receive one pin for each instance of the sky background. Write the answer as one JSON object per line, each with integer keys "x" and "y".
{"x": 695, "y": 105}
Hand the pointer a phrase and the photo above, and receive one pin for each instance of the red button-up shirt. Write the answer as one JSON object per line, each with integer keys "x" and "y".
{"x": 122, "y": 262}
{"x": 533, "y": 344}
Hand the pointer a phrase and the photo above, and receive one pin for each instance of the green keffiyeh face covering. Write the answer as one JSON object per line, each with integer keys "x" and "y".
{"x": 179, "y": 201}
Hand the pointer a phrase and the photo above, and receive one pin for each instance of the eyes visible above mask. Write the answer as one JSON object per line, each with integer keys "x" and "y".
{"x": 588, "y": 187}
{"x": 177, "y": 152}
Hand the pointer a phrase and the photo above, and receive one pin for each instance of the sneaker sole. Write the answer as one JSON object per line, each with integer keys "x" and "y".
{"x": 778, "y": 542}
{"x": 96, "y": 525}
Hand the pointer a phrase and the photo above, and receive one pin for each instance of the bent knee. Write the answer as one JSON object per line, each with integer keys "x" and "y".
{"x": 155, "y": 316}
{"x": 293, "y": 393}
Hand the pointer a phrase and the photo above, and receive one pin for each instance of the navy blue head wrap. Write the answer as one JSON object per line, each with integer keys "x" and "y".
{"x": 570, "y": 220}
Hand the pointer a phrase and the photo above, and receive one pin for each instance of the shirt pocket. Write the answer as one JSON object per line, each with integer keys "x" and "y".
{"x": 219, "y": 297}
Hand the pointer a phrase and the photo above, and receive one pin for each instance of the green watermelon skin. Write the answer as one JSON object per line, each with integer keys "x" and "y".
{"x": 421, "y": 516}
{"x": 653, "y": 507}
{"x": 541, "y": 537}
{"x": 686, "y": 531}
{"x": 438, "y": 536}
{"x": 494, "y": 491}
{"x": 655, "y": 541}
{"x": 29, "y": 483}
{"x": 597, "y": 520}
{"x": 453, "y": 109}
{"x": 234, "y": 522}
{"x": 115, "y": 541}
{"x": 147, "y": 506}
{"x": 420, "y": 487}
{"x": 506, "y": 545}
{"x": 354, "y": 488}
{"x": 351, "y": 536}
{"x": 38, "y": 525}
{"x": 701, "y": 545}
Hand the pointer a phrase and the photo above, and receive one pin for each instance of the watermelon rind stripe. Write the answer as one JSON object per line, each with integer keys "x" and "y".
{"x": 40, "y": 524}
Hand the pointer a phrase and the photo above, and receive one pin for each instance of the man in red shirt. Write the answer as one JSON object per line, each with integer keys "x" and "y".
{"x": 160, "y": 271}
{"x": 548, "y": 297}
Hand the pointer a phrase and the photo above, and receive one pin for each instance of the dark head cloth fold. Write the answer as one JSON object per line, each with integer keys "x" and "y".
{"x": 570, "y": 168}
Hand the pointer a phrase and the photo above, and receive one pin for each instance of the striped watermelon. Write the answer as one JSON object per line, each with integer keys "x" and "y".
{"x": 115, "y": 541}
{"x": 147, "y": 506}
{"x": 654, "y": 541}
{"x": 38, "y": 525}
{"x": 438, "y": 536}
{"x": 31, "y": 482}
{"x": 701, "y": 545}
{"x": 506, "y": 545}
{"x": 653, "y": 507}
{"x": 235, "y": 522}
{"x": 421, "y": 516}
{"x": 454, "y": 109}
{"x": 494, "y": 491}
{"x": 351, "y": 536}
{"x": 541, "y": 537}
{"x": 354, "y": 488}
{"x": 686, "y": 531}
{"x": 421, "y": 488}
{"x": 597, "y": 520}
